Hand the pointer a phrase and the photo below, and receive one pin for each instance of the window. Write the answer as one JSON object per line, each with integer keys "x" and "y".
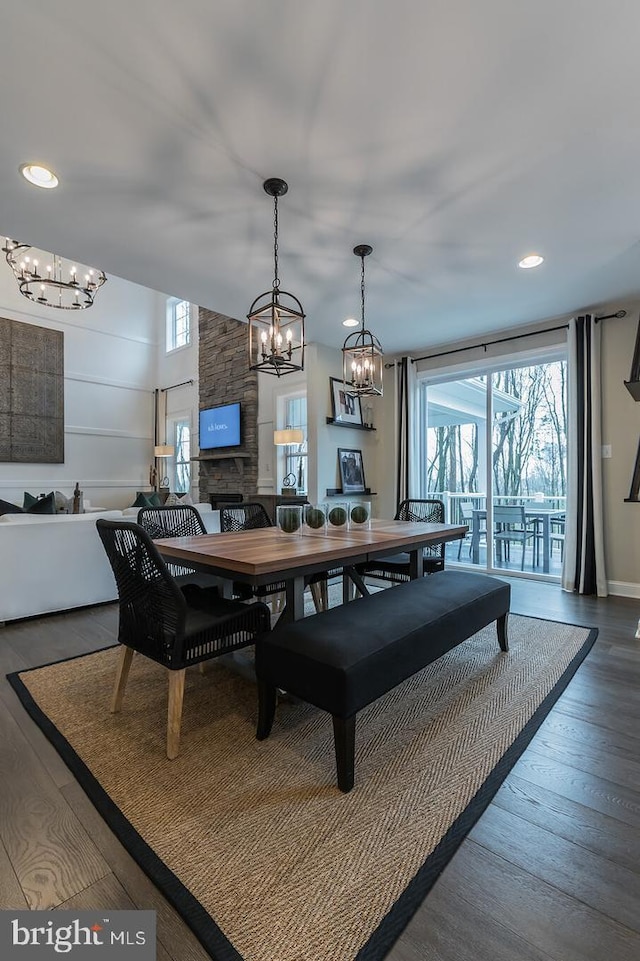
{"x": 295, "y": 455}
{"x": 182, "y": 463}
{"x": 178, "y": 323}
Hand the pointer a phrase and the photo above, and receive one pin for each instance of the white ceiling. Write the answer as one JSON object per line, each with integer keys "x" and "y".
{"x": 453, "y": 136}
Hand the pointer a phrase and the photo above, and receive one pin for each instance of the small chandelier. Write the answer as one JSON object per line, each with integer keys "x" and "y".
{"x": 276, "y": 318}
{"x": 51, "y": 280}
{"x": 361, "y": 352}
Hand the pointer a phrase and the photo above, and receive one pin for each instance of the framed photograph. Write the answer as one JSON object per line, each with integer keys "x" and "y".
{"x": 351, "y": 470}
{"x": 345, "y": 407}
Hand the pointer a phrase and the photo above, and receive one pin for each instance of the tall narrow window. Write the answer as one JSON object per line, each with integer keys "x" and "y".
{"x": 182, "y": 464}
{"x": 178, "y": 323}
{"x": 295, "y": 455}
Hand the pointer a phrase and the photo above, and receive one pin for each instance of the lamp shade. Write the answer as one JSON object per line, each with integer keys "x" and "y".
{"x": 163, "y": 450}
{"x": 290, "y": 435}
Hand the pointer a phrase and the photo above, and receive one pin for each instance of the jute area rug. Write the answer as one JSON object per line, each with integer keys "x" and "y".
{"x": 252, "y": 841}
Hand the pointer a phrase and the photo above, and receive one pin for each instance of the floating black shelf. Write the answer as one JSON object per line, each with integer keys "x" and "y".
{"x": 337, "y": 492}
{"x": 633, "y": 386}
{"x": 339, "y": 423}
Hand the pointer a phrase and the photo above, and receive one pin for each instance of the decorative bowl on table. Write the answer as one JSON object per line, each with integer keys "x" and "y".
{"x": 289, "y": 519}
{"x": 315, "y": 518}
{"x": 360, "y": 515}
{"x": 337, "y": 516}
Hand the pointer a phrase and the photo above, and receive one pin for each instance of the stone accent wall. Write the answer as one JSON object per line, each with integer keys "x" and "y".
{"x": 224, "y": 379}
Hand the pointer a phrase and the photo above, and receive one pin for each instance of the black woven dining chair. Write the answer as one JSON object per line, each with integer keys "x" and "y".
{"x": 177, "y": 521}
{"x": 175, "y": 627}
{"x": 396, "y": 567}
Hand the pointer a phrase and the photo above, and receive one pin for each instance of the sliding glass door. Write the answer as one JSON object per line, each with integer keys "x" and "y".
{"x": 493, "y": 447}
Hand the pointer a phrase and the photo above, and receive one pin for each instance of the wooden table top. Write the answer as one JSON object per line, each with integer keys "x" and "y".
{"x": 269, "y": 551}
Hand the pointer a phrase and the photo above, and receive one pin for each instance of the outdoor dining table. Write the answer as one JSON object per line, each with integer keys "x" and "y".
{"x": 542, "y": 515}
{"x": 259, "y": 557}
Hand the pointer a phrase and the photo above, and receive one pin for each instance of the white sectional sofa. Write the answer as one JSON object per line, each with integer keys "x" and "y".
{"x": 55, "y": 562}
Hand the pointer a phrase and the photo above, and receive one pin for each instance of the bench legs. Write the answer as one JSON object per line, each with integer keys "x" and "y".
{"x": 503, "y": 639}
{"x": 344, "y": 737}
{"x": 267, "y": 696}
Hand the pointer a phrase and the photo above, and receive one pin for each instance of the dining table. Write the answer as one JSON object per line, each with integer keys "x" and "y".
{"x": 542, "y": 516}
{"x": 259, "y": 557}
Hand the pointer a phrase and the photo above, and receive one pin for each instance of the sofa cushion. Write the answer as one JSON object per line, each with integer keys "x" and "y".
{"x": 142, "y": 500}
{"x": 43, "y": 505}
{"x": 63, "y": 503}
{"x": 7, "y": 508}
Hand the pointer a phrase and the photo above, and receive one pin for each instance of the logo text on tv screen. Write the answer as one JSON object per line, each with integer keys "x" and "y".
{"x": 220, "y": 426}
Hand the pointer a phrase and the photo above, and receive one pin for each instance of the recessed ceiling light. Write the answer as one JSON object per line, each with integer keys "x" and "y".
{"x": 532, "y": 260}
{"x": 38, "y": 175}
{"x": 350, "y": 322}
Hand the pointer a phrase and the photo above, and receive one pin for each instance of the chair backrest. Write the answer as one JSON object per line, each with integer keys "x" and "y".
{"x": 508, "y": 516}
{"x": 466, "y": 510}
{"x": 178, "y": 521}
{"x": 243, "y": 517}
{"x": 152, "y": 606}
{"x": 430, "y": 511}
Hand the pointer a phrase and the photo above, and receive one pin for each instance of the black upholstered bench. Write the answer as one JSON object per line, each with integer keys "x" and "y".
{"x": 343, "y": 659}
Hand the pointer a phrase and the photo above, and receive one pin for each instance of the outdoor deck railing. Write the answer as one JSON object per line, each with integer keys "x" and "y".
{"x": 453, "y": 499}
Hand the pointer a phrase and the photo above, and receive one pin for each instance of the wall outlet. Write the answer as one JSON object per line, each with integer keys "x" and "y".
{"x": 606, "y": 450}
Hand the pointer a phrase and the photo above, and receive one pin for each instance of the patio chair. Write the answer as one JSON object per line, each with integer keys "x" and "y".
{"x": 510, "y": 526}
{"x": 177, "y": 521}
{"x": 556, "y": 534}
{"x": 396, "y": 567}
{"x": 249, "y": 517}
{"x": 173, "y": 626}
{"x": 466, "y": 514}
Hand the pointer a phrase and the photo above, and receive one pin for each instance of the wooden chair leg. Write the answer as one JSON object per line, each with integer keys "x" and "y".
{"x": 174, "y": 714}
{"x": 317, "y": 597}
{"x": 122, "y": 674}
{"x": 324, "y": 594}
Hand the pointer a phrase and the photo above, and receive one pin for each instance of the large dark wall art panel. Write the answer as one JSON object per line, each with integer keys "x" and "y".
{"x": 31, "y": 394}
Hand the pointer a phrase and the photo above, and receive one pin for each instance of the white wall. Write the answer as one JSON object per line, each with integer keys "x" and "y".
{"x": 109, "y": 370}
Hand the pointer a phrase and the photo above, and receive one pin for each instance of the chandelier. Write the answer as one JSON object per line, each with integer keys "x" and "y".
{"x": 276, "y": 318}
{"x": 51, "y": 280}
{"x": 361, "y": 352}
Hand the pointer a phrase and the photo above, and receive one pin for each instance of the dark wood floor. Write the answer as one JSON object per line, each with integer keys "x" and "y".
{"x": 551, "y": 870}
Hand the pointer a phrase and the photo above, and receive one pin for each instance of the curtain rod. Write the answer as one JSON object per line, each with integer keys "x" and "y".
{"x": 503, "y": 340}
{"x": 173, "y": 386}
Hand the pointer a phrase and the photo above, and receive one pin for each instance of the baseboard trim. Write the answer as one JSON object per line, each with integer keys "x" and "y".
{"x": 624, "y": 589}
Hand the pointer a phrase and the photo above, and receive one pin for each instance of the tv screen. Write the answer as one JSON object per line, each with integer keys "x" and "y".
{"x": 220, "y": 426}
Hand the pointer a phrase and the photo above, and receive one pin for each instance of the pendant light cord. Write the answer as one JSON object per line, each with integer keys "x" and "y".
{"x": 276, "y": 281}
{"x": 362, "y": 290}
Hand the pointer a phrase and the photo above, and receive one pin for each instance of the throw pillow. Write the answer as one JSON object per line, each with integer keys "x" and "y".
{"x": 186, "y": 499}
{"x": 7, "y": 508}
{"x": 45, "y": 505}
{"x": 63, "y": 503}
{"x": 154, "y": 499}
{"x": 172, "y": 500}
{"x": 28, "y": 501}
{"x": 142, "y": 500}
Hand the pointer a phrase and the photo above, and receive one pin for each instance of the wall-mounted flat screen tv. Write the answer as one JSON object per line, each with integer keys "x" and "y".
{"x": 220, "y": 426}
